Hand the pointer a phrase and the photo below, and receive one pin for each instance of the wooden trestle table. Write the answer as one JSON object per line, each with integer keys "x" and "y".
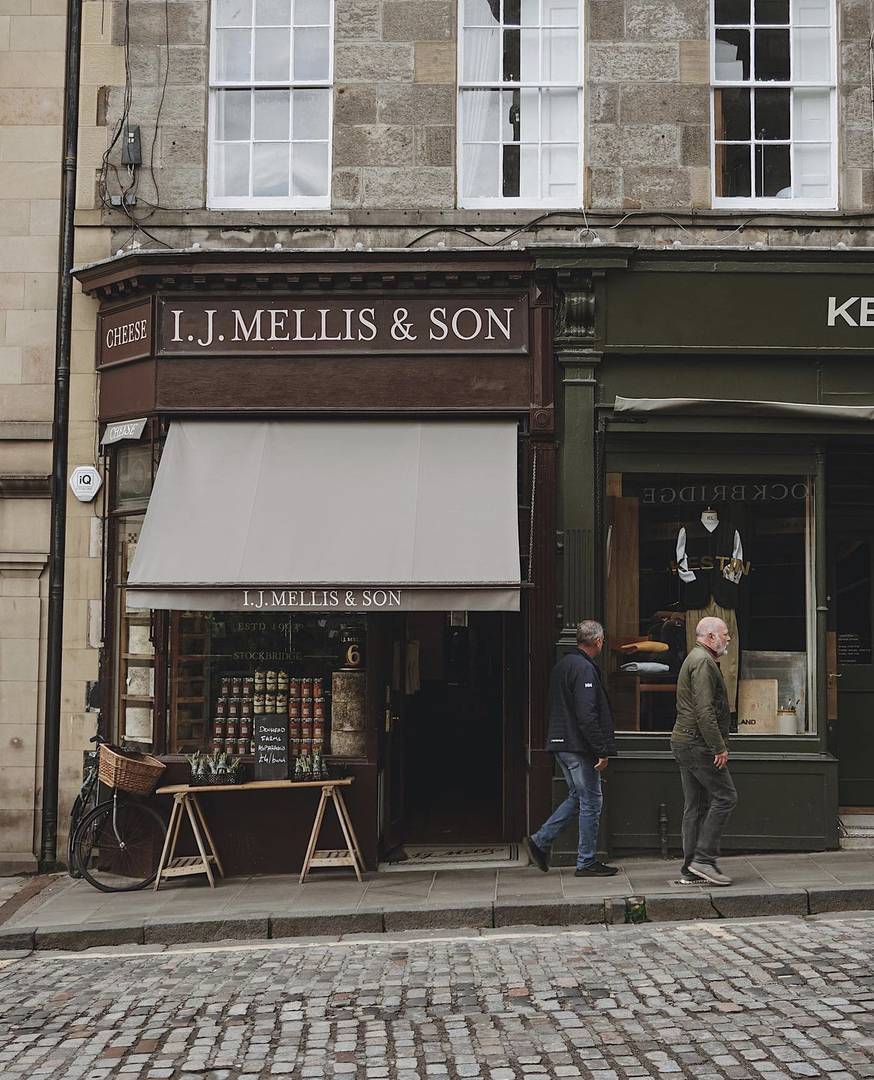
{"x": 186, "y": 804}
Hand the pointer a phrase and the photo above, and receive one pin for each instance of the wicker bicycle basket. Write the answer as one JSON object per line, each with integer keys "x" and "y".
{"x": 129, "y": 771}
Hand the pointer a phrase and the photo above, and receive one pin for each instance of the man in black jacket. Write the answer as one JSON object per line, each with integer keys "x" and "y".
{"x": 581, "y": 737}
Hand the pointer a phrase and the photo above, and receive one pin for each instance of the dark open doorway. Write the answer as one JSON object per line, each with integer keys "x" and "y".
{"x": 446, "y": 754}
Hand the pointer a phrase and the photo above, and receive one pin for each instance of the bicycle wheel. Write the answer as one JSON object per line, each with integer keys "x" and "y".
{"x": 119, "y": 851}
{"x": 75, "y": 819}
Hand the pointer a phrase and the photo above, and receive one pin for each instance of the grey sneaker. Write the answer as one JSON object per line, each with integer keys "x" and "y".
{"x": 709, "y": 873}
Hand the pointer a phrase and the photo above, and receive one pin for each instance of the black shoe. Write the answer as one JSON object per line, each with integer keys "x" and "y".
{"x": 597, "y": 869}
{"x": 687, "y": 878}
{"x": 537, "y": 855}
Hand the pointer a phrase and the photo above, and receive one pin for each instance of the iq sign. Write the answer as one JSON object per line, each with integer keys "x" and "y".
{"x": 85, "y": 482}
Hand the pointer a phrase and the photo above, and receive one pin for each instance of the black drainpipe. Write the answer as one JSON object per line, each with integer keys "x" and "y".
{"x": 60, "y": 430}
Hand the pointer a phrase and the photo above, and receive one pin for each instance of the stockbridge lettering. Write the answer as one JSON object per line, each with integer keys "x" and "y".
{"x": 249, "y": 328}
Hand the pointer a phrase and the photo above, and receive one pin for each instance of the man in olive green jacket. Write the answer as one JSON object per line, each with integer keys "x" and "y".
{"x": 699, "y": 742}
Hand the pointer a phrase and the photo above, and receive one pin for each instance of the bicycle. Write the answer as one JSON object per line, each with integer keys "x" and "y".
{"x": 83, "y": 804}
{"x": 116, "y": 845}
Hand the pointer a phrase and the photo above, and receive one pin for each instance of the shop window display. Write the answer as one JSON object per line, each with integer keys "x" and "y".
{"x": 226, "y": 668}
{"x": 680, "y": 547}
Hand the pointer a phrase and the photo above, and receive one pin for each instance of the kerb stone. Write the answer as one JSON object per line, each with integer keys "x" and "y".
{"x": 840, "y": 898}
{"x": 91, "y": 936}
{"x": 738, "y": 905}
{"x": 175, "y": 931}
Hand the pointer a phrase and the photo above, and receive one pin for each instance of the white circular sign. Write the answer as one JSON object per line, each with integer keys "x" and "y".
{"x": 85, "y": 482}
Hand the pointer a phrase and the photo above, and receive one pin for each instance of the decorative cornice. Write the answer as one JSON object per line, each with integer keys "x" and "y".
{"x": 302, "y": 271}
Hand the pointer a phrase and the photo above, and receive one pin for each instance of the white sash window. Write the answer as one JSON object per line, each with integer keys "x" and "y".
{"x": 271, "y": 74}
{"x": 520, "y": 103}
{"x": 774, "y": 107}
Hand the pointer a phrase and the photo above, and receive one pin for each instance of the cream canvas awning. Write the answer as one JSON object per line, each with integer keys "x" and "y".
{"x": 332, "y": 515}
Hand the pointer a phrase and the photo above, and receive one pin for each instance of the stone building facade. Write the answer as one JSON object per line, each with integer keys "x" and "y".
{"x": 394, "y": 183}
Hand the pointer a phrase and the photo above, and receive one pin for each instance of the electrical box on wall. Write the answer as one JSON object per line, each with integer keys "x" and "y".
{"x": 131, "y": 149}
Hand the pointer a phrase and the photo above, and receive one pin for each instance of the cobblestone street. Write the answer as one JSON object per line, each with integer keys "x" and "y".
{"x": 773, "y": 998}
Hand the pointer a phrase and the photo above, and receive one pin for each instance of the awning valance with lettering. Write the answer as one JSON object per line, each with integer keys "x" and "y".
{"x": 789, "y": 410}
{"x": 332, "y": 515}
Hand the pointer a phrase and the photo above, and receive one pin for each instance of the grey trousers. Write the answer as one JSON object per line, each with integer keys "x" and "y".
{"x": 709, "y": 796}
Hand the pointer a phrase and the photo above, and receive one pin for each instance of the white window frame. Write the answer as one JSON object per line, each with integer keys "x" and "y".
{"x": 753, "y": 202}
{"x": 501, "y": 202}
{"x": 260, "y": 202}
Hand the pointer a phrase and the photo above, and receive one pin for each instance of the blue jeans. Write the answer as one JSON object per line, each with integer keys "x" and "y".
{"x": 584, "y": 801}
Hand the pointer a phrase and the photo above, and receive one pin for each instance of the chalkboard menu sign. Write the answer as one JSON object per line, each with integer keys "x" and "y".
{"x": 271, "y": 746}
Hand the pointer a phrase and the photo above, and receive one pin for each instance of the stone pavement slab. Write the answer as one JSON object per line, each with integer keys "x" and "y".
{"x": 335, "y": 903}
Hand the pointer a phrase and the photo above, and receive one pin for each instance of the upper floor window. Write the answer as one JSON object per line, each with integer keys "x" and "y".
{"x": 271, "y": 70}
{"x": 774, "y": 103}
{"x": 520, "y": 103}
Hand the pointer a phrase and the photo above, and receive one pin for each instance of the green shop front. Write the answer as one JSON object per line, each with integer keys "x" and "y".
{"x": 716, "y": 414}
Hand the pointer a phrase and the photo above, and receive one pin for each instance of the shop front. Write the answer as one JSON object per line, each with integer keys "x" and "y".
{"x": 331, "y": 515}
{"x": 727, "y": 402}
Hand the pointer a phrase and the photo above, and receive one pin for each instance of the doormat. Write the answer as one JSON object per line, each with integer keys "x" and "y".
{"x": 453, "y": 857}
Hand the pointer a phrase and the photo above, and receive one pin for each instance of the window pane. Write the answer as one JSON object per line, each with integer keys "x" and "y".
{"x": 812, "y": 114}
{"x": 561, "y": 56}
{"x": 511, "y": 60}
{"x": 560, "y": 168}
{"x": 232, "y": 55}
{"x": 309, "y": 166}
{"x": 510, "y": 172}
{"x": 231, "y": 169}
{"x": 531, "y": 12}
{"x": 481, "y": 56}
{"x": 667, "y": 565}
{"x": 811, "y": 12}
{"x": 772, "y": 55}
{"x": 511, "y": 116}
{"x": 271, "y": 114}
{"x": 529, "y": 173}
{"x": 773, "y": 174}
{"x": 310, "y": 114}
{"x": 312, "y": 12}
{"x": 480, "y": 170}
{"x": 853, "y": 614}
{"x": 733, "y": 171}
{"x": 272, "y": 12}
{"x": 732, "y": 112}
{"x": 272, "y": 55}
{"x": 772, "y": 114}
{"x": 732, "y": 11}
{"x": 732, "y": 55}
{"x": 772, "y": 11}
{"x": 312, "y": 54}
{"x": 481, "y": 12}
{"x": 530, "y": 55}
{"x": 233, "y": 12}
{"x": 481, "y": 116}
{"x": 813, "y": 58}
{"x": 560, "y": 115}
{"x": 233, "y": 114}
{"x": 812, "y": 171}
{"x": 512, "y": 12}
{"x": 560, "y": 13}
{"x": 270, "y": 169}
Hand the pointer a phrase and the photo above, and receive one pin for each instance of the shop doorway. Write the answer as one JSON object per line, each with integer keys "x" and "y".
{"x": 851, "y": 666}
{"x": 450, "y": 738}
